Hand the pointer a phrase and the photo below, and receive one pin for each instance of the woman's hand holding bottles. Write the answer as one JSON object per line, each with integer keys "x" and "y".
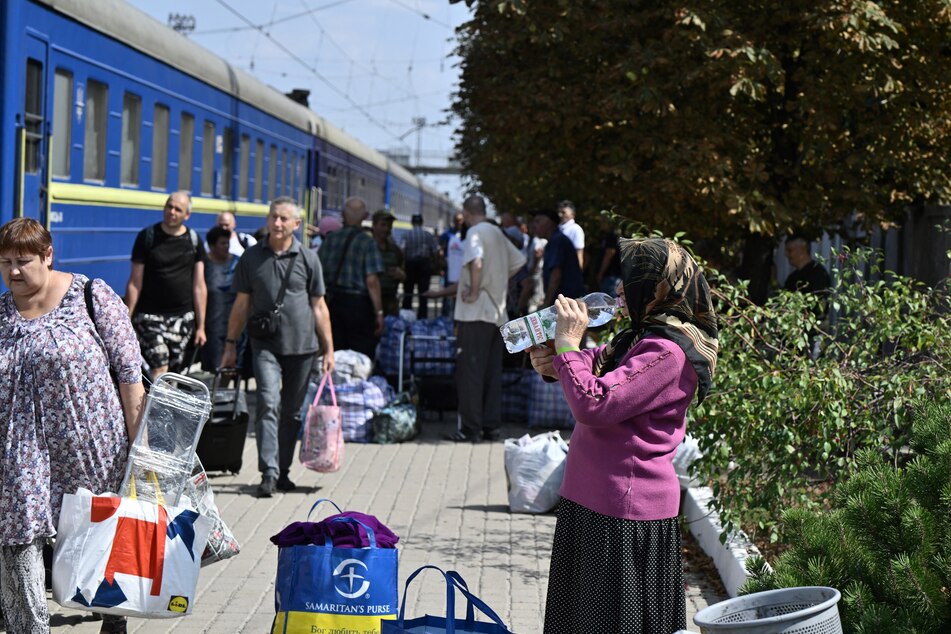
{"x": 572, "y": 322}
{"x": 542, "y": 356}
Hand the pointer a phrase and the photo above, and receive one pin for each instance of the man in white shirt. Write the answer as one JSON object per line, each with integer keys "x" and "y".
{"x": 489, "y": 260}
{"x": 568, "y": 226}
{"x": 239, "y": 241}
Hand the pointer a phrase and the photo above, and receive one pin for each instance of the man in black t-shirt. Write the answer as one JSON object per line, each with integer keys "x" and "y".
{"x": 809, "y": 276}
{"x": 166, "y": 292}
{"x": 561, "y": 271}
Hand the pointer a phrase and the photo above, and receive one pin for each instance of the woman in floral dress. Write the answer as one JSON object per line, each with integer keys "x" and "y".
{"x": 63, "y": 423}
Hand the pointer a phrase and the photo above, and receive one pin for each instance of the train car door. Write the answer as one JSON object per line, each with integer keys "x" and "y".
{"x": 33, "y": 138}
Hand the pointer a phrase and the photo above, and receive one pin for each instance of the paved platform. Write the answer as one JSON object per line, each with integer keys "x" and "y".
{"x": 446, "y": 501}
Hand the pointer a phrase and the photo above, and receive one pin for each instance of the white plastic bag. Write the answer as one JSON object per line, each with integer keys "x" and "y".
{"x": 534, "y": 469}
{"x": 118, "y": 555}
{"x": 350, "y": 365}
{"x": 687, "y": 453}
{"x": 221, "y": 542}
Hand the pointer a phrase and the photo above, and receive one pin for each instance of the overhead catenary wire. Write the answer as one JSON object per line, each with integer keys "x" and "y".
{"x": 272, "y": 22}
{"x": 371, "y": 71}
{"x": 424, "y": 15}
{"x": 369, "y": 117}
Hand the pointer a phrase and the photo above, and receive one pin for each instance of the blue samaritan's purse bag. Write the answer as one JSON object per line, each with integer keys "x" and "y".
{"x": 329, "y": 589}
{"x": 447, "y": 624}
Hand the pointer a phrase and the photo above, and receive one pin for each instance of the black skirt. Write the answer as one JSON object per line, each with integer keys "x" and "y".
{"x": 614, "y": 575}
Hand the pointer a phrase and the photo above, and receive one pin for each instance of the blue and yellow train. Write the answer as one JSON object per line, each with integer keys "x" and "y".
{"x": 105, "y": 111}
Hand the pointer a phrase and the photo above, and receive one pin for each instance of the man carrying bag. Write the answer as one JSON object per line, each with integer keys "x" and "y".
{"x": 282, "y": 286}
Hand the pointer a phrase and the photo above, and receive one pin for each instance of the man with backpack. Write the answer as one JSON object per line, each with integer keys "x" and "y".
{"x": 166, "y": 292}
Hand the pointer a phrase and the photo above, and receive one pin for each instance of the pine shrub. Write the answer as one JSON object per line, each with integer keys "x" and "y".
{"x": 885, "y": 543}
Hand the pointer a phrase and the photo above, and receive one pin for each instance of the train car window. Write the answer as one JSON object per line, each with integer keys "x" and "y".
{"x": 131, "y": 134}
{"x": 186, "y": 152}
{"x": 94, "y": 142}
{"x": 227, "y": 163}
{"x": 62, "y": 122}
{"x": 160, "y": 147}
{"x": 258, "y": 168}
{"x": 300, "y": 178}
{"x": 271, "y": 173}
{"x": 332, "y": 186}
{"x": 33, "y": 115}
{"x": 208, "y": 159}
{"x": 282, "y": 168}
{"x": 244, "y": 167}
{"x": 291, "y": 161}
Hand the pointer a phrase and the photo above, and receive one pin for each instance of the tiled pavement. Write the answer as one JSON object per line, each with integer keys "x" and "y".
{"x": 446, "y": 501}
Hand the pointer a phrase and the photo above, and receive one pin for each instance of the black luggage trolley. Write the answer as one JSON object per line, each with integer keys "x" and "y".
{"x": 436, "y": 390}
{"x": 221, "y": 445}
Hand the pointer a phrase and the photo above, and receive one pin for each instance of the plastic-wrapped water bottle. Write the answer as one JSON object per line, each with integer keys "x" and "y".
{"x": 539, "y": 327}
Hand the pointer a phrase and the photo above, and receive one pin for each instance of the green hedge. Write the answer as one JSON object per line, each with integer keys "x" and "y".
{"x": 781, "y": 427}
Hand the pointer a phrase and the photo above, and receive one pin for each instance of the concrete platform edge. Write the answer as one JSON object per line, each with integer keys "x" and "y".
{"x": 704, "y": 523}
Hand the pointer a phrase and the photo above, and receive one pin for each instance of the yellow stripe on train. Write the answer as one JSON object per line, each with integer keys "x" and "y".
{"x": 73, "y": 194}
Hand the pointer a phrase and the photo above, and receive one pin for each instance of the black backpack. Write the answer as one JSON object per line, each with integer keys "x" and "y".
{"x": 150, "y": 238}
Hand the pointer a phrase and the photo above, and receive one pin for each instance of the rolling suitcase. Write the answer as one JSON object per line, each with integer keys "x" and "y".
{"x": 221, "y": 445}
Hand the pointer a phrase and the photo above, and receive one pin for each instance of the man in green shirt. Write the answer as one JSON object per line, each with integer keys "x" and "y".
{"x": 352, "y": 266}
{"x": 393, "y": 260}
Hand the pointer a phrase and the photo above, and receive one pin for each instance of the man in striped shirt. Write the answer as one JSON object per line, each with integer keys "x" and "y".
{"x": 419, "y": 247}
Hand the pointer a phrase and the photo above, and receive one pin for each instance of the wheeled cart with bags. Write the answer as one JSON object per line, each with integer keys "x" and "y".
{"x": 221, "y": 445}
{"x": 431, "y": 369}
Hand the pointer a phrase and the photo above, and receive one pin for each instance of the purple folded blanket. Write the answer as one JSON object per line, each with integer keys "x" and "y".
{"x": 342, "y": 534}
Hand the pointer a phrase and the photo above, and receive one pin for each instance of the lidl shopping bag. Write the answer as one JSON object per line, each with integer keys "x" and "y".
{"x": 118, "y": 555}
{"x": 327, "y": 589}
{"x": 449, "y": 624}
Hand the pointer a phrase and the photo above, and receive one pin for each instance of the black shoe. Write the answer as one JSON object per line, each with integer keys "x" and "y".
{"x": 266, "y": 488}
{"x": 112, "y": 624}
{"x": 492, "y": 435}
{"x": 284, "y": 483}
{"x": 461, "y": 436}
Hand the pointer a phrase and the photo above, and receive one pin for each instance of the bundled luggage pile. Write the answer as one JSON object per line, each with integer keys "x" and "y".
{"x": 352, "y": 406}
{"x": 422, "y": 354}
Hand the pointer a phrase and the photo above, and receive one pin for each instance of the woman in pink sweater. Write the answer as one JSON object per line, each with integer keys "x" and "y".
{"x": 616, "y": 564}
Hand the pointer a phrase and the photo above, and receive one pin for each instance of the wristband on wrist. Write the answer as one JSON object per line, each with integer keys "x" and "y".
{"x": 565, "y": 349}
{"x": 231, "y": 341}
{"x": 379, "y": 311}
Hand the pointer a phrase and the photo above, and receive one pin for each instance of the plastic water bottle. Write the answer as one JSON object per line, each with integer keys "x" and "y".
{"x": 539, "y": 327}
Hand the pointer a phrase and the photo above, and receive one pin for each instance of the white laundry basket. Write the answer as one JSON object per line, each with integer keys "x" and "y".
{"x": 804, "y": 610}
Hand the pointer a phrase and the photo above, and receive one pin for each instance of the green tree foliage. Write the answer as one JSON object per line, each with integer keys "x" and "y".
{"x": 714, "y": 117}
{"x": 886, "y": 544}
{"x": 780, "y": 427}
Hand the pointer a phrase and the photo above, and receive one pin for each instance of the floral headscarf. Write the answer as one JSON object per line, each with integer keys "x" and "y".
{"x": 667, "y": 296}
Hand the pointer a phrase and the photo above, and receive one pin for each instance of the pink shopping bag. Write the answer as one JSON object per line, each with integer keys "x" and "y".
{"x": 321, "y": 448}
